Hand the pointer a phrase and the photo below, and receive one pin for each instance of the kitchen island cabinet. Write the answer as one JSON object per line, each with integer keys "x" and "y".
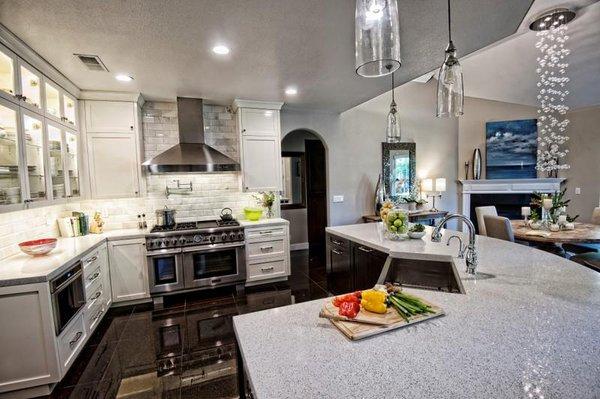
{"x": 527, "y": 323}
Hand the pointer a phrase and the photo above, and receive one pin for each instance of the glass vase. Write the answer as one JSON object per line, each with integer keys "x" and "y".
{"x": 395, "y": 224}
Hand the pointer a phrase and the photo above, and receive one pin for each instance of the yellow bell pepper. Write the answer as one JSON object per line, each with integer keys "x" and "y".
{"x": 374, "y": 301}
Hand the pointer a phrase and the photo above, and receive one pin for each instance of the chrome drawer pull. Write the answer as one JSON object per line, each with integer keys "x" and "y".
{"x": 335, "y": 251}
{"x": 267, "y": 269}
{"x": 265, "y": 232}
{"x": 93, "y": 276}
{"x": 97, "y": 295}
{"x": 90, "y": 260}
{"x": 98, "y": 315}
{"x": 77, "y": 338}
{"x": 337, "y": 242}
{"x": 266, "y": 248}
{"x": 367, "y": 250}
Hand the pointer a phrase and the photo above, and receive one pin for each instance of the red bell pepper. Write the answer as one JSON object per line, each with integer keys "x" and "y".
{"x": 349, "y": 309}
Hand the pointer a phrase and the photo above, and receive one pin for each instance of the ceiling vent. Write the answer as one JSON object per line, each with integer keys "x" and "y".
{"x": 92, "y": 62}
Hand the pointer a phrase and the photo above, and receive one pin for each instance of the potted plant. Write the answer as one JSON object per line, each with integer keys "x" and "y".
{"x": 413, "y": 201}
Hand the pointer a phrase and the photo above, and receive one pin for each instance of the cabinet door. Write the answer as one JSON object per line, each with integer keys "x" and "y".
{"x": 8, "y": 74}
{"x": 72, "y": 163}
{"x": 261, "y": 163}
{"x": 30, "y": 87}
{"x": 53, "y": 102}
{"x": 340, "y": 275}
{"x": 109, "y": 116}
{"x": 56, "y": 161}
{"x": 69, "y": 104}
{"x": 34, "y": 144}
{"x": 113, "y": 165}
{"x": 259, "y": 122}
{"x": 11, "y": 181}
{"x": 368, "y": 264}
{"x": 128, "y": 272}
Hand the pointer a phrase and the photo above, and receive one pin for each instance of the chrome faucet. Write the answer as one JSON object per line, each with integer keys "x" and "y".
{"x": 469, "y": 252}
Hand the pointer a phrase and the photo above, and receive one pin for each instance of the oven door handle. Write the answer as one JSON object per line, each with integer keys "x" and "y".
{"x": 212, "y": 247}
{"x": 160, "y": 252}
{"x": 66, "y": 283}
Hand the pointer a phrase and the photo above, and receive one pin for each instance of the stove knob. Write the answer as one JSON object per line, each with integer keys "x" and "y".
{"x": 224, "y": 237}
{"x": 149, "y": 243}
{"x": 174, "y": 241}
{"x": 240, "y": 235}
{"x": 182, "y": 240}
{"x": 197, "y": 238}
{"x": 164, "y": 242}
{"x": 232, "y": 236}
{"x": 212, "y": 238}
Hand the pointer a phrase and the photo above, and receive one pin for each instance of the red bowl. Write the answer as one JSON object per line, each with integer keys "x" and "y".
{"x": 38, "y": 247}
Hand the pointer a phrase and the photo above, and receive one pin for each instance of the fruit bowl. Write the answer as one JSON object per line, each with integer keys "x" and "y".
{"x": 38, "y": 247}
{"x": 253, "y": 214}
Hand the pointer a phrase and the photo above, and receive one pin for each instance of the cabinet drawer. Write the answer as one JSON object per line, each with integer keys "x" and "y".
{"x": 92, "y": 279}
{"x": 71, "y": 341}
{"x": 98, "y": 293}
{"x": 264, "y": 233}
{"x": 266, "y": 270}
{"x": 94, "y": 314}
{"x": 265, "y": 248}
{"x": 92, "y": 261}
{"x": 340, "y": 243}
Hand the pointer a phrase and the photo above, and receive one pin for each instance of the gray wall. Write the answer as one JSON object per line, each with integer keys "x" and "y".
{"x": 353, "y": 142}
{"x": 584, "y": 158}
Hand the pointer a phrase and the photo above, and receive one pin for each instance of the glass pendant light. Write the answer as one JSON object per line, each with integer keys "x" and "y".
{"x": 392, "y": 131}
{"x": 450, "y": 93}
{"x": 377, "y": 37}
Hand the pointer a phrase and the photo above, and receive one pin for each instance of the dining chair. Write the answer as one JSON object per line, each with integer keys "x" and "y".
{"x": 480, "y": 211}
{"x": 585, "y": 248}
{"x": 498, "y": 227}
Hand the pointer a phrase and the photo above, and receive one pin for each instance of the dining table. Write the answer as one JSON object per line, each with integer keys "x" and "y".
{"x": 583, "y": 233}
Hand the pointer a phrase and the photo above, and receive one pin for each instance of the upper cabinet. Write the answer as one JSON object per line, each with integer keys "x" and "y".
{"x": 35, "y": 144}
{"x": 10, "y": 161}
{"x": 110, "y": 116}
{"x": 31, "y": 87}
{"x": 113, "y": 148}
{"x": 8, "y": 74}
{"x": 260, "y": 144}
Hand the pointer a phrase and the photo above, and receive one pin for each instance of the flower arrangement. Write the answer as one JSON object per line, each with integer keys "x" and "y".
{"x": 266, "y": 199}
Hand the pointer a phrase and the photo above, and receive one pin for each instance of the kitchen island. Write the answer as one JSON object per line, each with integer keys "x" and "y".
{"x": 527, "y": 326}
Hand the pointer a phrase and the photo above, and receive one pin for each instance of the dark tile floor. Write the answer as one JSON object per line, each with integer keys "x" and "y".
{"x": 187, "y": 348}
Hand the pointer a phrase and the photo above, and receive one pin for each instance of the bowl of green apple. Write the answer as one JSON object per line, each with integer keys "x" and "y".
{"x": 396, "y": 224}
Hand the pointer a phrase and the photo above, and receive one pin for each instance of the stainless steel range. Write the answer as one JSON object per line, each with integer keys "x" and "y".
{"x": 193, "y": 255}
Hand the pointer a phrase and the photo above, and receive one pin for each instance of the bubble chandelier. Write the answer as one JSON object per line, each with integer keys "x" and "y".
{"x": 552, "y": 83}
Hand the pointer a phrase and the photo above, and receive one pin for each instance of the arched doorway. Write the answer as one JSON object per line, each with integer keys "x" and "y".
{"x": 304, "y": 199}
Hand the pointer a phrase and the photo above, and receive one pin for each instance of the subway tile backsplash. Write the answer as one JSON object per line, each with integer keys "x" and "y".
{"x": 211, "y": 192}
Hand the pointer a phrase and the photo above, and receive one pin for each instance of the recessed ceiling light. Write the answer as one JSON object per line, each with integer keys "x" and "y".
{"x": 123, "y": 78}
{"x": 291, "y": 91}
{"x": 220, "y": 49}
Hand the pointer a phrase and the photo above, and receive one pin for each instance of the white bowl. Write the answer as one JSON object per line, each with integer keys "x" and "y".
{"x": 416, "y": 234}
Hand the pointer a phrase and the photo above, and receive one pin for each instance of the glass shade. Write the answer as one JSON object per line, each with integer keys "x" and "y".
{"x": 392, "y": 131}
{"x": 450, "y": 93}
{"x": 377, "y": 37}
{"x": 427, "y": 185}
{"x": 440, "y": 184}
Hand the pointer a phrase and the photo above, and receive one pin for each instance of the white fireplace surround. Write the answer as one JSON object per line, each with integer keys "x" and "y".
{"x": 503, "y": 186}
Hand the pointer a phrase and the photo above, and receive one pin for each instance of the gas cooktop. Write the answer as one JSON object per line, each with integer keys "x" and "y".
{"x": 199, "y": 225}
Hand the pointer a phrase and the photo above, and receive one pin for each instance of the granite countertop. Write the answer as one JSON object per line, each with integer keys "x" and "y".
{"x": 24, "y": 269}
{"x": 527, "y": 327}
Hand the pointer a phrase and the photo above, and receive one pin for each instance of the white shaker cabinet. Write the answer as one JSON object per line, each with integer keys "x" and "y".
{"x": 113, "y": 165}
{"x": 260, "y": 144}
{"x": 128, "y": 271}
{"x": 113, "y": 145}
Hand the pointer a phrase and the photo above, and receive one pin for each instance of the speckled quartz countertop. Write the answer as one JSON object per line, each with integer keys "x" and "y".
{"x": 527, "y": 328}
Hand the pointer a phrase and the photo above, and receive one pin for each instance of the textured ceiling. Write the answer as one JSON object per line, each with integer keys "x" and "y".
{"x": 506, "y": 71}
{"x": 166, "y": 45}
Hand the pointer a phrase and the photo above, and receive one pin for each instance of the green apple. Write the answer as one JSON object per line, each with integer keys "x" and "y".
{"x": 393, "y": 228}
{"x": 398, "y": 223}
{"x": 392, "y": 216}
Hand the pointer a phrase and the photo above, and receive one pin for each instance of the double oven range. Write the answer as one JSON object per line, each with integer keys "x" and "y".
{"x": 193, "y": 255}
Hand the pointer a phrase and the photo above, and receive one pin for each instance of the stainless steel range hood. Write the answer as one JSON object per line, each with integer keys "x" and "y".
{"x": 192, "y": 154}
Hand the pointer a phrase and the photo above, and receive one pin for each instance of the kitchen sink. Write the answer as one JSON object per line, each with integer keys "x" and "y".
{"x": 424, "y": 274}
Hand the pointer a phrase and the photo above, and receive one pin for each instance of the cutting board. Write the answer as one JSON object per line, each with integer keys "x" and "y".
{"x": 367, "y": 324}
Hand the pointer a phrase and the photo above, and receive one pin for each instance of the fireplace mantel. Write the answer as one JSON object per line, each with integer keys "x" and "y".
{"x": 503, "y": 186}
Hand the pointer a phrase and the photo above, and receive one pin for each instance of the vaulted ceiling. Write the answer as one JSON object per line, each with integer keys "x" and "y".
{"x": 166, "y": 45}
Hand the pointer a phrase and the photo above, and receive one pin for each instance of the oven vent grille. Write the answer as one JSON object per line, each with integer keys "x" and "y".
{"x": 92, "y": 62}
